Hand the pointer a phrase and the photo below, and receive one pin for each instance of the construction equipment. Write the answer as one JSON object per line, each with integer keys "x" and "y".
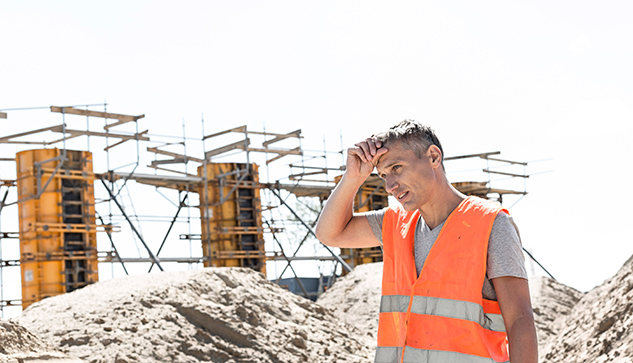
{"x": 58, "y": 244}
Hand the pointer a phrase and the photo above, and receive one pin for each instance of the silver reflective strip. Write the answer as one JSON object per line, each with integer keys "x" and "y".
{"x": 494, "y": 322}
{"x": 388, "y": 354}
{"x": 443, "y": 307}
{"x": 413, "y": 355}
{"x": 394, "y": 304}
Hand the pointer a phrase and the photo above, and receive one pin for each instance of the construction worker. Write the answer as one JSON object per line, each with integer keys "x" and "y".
{"x": 454, "y": 285}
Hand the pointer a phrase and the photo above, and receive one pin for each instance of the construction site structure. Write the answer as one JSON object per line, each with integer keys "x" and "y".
{"x": 58, "y": 219}
{"x": 58, "y": 231}
{"x": 231, "y": 221}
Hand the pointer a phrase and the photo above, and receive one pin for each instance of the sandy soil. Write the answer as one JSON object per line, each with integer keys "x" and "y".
{"x": 207, "y": 315}
{"x": 355, "y": 299}
{"x": 235, "y": 315}
{"x": 599, "y": 328}
{"x": 17, "y": 344}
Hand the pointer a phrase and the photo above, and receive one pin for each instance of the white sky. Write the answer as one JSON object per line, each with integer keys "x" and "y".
{"x": 536, "y": 80}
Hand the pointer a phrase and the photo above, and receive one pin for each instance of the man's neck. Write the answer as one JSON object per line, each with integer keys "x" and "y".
{"x": 437, "y": 211}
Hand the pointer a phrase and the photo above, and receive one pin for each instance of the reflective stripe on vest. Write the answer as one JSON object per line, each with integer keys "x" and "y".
{"x": 412, "y": 355}
{"x": 443, "y": 307}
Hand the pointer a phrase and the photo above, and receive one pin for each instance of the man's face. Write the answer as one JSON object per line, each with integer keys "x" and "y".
{"x": 408, "y": 178}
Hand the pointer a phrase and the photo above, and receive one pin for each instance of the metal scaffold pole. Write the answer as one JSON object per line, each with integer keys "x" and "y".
{"x": 149, "y": 251}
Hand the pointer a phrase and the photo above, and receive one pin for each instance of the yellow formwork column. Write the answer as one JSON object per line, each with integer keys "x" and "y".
{"x": 58, "y": 244}
{"x": 372, "y": 195}
{"x": 230, "y": 206}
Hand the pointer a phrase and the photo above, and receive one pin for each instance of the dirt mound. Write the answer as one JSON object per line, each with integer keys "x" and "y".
{"x": 355, "y": 299}
{"x": 551, "y": 300}
{"x": 599, "y": 327}
{"x": 211, "y": 315}
{"x": 17, "y": 344}
{"x": 235, "y": 315}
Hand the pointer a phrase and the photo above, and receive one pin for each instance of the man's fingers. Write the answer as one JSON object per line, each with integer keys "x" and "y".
{"x": 370, "y": 147}
{"x": 358, "y": 152}
{"x": 364, "y": 149}
{"x": 379, "y": 153}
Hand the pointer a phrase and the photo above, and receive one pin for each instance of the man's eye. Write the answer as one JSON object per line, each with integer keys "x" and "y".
{"x": 395, "y": 167}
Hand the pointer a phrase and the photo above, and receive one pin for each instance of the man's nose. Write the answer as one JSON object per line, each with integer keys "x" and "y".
{"x": 390, "y": 185}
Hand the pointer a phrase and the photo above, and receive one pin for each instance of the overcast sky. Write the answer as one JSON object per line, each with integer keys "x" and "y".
{"x": 549, "y": 83}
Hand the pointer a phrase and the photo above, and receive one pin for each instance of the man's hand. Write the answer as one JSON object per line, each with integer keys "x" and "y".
{"x": 362, "y": 158}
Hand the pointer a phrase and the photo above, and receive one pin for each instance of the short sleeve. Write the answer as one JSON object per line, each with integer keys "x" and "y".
{"x": 505, "y": 252}
{"x": 375, "y": 218}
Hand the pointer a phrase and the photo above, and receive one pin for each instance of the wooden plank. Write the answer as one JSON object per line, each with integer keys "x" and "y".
{"x": 508, "y": 174}
{"x": 3, "y": 115}
{"x": 115, "y": 144}
{"x": 482, "y": 155}
{"x": 77, "y": 111}
{"x": 107, "y": 127}
{"x": 281, "y": 155}
{"x": 295, "y": 133}
{"x": 294, "y": 176}
{"x": 133, "y": 137}
{"x": 24, "y": 142}
{"x": 506, "y": 161}
{"x": 295, "y": 151}
{"x": 7, "y": 138}
{"x": 242, "y": 145}
{"x": 168, "y": 161}
{"x": 266, "y": 133}
{"x": 316, "y": 167}
{"x": 175, "y": 155}
{"x": 104, "y": 134}
{"x": 236, "y": 129}
{"x": 242, "y": 129}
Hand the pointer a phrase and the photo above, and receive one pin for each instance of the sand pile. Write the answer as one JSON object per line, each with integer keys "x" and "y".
{"x": 355, "y": 299}
{"x": 19, "y": 345}
{"x": 551, "y": 300}
{"x": 235, "y": 315}
{"x": 210, "y": 315}
{"x": 599, "y": 328}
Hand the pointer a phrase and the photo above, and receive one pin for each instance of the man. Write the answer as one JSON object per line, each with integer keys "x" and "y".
{"x": 454, "y": 282}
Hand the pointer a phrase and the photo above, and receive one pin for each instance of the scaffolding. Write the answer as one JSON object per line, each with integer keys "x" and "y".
{"x": 58, "y": 251}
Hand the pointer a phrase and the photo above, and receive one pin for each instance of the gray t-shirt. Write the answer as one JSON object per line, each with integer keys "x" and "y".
{"x": 505, "y": 254}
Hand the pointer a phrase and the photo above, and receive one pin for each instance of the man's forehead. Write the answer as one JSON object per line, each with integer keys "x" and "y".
{"x": 392, "y": 155}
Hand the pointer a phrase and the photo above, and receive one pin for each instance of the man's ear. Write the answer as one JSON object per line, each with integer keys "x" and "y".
{"x": 435, "y": 155}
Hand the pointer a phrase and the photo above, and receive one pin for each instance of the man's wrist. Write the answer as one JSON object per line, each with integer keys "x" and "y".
{"x": 356, "y": 180}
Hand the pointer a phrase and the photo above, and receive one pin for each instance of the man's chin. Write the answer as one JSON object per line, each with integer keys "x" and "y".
{"x": 409, "y": 207}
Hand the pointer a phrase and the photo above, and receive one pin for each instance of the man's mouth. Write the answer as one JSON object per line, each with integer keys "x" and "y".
{"x": 402, "y": 195}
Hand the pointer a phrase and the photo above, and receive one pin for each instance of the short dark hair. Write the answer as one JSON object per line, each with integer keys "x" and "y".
{"x": 411, "y": 135}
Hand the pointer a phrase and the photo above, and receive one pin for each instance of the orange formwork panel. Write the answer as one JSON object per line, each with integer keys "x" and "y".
{"x": 232, "y": 232}
{"x": 58, "y": 243}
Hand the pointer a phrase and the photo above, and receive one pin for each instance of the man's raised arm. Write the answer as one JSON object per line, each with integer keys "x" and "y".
{"x": 338, "y": 226}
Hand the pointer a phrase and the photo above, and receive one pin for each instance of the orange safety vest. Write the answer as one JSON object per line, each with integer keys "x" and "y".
{"x": 440, "y": 316}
